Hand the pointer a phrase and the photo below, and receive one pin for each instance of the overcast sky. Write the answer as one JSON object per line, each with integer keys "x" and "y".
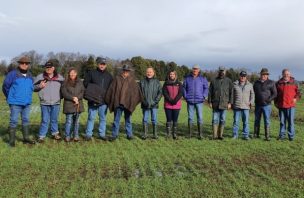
{"x": 234, "y": 33}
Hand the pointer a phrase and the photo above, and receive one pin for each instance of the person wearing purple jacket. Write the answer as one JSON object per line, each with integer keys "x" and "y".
{"x": 195, "y": 92}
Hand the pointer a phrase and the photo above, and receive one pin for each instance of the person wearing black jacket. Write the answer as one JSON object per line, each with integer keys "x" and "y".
{"x": 265, "y": 91}
{"x": 97, "y": 83}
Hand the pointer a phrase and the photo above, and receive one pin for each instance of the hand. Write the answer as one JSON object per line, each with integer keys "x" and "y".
{"x": 295, "y": 100}
{"x": 75, "y": 99}
{"x": 229, "y": 106}
{"x": 210, "y": 105}
{"x": 42, "y": 84}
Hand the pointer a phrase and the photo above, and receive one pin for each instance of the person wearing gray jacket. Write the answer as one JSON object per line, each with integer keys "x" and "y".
{"x": 243, "y": 99}
{"x": 48, "y": 86}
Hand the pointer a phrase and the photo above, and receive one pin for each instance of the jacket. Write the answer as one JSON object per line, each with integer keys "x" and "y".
{"x": 17, "y": 88}
{"x": 264, "y": 92}
{"x": 96, "y": 83}
{"x": 123, "y": 92}
{"x": 68, "y": 91}
{"x": 195, "y": 89}
{"x": 286, "y": 93}
{"x": 50, "y": 94}
{"x": 151, "y": 91}
{"x": 173, "y": 92}
{"x": 220, "y": 93}
{"x": 243, "y": 95}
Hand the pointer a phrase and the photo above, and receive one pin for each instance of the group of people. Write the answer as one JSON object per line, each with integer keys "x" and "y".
{"x": 121, "y": 94}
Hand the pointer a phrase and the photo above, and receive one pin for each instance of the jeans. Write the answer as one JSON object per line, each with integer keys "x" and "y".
{"x": 244, "y": 113}
{"x": 172, "y": 114}
{"x": 287, "y": 115}
{"x": 72, "y": 120}
{"x": 49, "y": 113}
{"x": 128, "y": 125}
{"x": 199, "y": 112}
{"x": 146, "y": 113}
{"x": 219, "y": 117}
{"x": 266, "y": 111}
{"x": 15, "y": 111}
{"x": 102, "y": 112}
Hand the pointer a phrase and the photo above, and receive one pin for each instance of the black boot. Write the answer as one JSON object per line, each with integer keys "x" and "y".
{"x": 267, "y": 133}
{"x": 145, "y": 129}
{"x": 200, "y": 131}
{"x": 256, "y": 133}
{"x": 12, "y": 136}
{"x": 174, "y": 131}
{"x": 154, "y": 128}
{"x": 190, "y": 128}
{"x": 25, "y": 133}
{"x": 168, "y": 129}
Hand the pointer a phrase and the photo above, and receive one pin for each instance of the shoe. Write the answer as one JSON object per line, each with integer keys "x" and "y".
{"x": 40, "y": 140}
{"x": 130, "y": 137}
{"x": 57, "y": 136}
{"x": 290, "y": 139}
{"x": 67, "y": 139}
{"x": 76, "y": 139}
{"x": 103, "y": 138}
{"x": 112, "y": 139}
{"x": 246, "y": 138}
{"x": 280, "y": 138}
{"x": 235, "y": 137}
{"x": 220, "y": 138}
{"x": 88, "y": 138}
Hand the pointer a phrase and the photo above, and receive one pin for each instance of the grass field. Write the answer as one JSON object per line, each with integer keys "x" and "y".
{"x": 152, "y": 168}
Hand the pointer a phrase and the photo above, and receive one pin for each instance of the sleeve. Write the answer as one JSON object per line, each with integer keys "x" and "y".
{"x": 273, "y": 92}
{"x": 298, "y": 91}
{"x": 87, "y": 79}
{"x": 179, "y": 95}
{"x": 166, "y": 93}
{"x": 230, "y": 92}
{"x": 65, "y": 93}
{"x": 159, "y": 93}
{"x": 81, "y": 93}
{"x": 205, "y": 88}
{"x": 252, "y": 96}
{"x": 185, "y": 88}
{"x": 37, "y": 81}
{"x": 7, "y": 83}
{"x": 210, "y": 92}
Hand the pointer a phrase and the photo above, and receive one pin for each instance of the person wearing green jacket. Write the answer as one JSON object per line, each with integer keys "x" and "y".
{"x": 152, "y": 91}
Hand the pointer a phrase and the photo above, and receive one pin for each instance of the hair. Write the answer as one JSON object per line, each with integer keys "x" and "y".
{"x": 168, "y": 74}
{"x": 69, "y": 81}
{"x": 285, "y": 70}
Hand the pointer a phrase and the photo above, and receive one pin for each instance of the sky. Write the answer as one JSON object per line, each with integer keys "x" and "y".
{"x": 247, "y": 34}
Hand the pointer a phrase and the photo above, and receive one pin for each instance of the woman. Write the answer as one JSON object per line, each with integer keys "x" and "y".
{"x": 72, "y": 91}
{"x": 172, "y": 91}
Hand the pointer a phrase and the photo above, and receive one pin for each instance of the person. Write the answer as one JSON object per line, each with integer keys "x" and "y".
{"x": 18, "y": 89}
{"x": 123, "y": 96}
{"x": 288, "y": 93}
{"x": 173, "y": 92}
{"x": 243, "y": 100}
{"x": 97, "y": 83}
{"x": 152, "y": 92}
{"x": 265, "y": 92}
{"x": 48, "y": 86}
{"x": 195, "y": 92}
{"x": 220, "y": 99}
{"x": 72, "y": 91}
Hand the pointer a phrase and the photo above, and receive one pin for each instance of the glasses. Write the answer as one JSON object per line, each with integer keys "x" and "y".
{"x": 23, "y": 63}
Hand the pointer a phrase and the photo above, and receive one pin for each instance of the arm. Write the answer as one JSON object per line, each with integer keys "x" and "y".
{"x": 65, "y": 94}
{"x": 273, "y": 91}
{"x": 7, "y": 83}
{"x": 87, "y": 79}
{"x": 252, "y": 97}
{"x": 205, "y": 88}
{"x": 159, "y": 93}
{"x": 179, "y": 95}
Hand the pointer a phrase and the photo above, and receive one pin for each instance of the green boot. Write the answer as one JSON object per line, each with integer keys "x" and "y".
{"x": 221, "y": 132}
{"x": 154, "y": 128}
{"x": 215, "y": 131}
{"x": 190, "y": 128}
{"x": 12, "y": 136}
{"x": 267, "y": 133}
{"x": 256, "y": 133}
{"x": 200, "y": 131}
{"x": 174, "y": 131}
{"x": 145, "y": 129}
{"x": 25, "y": 133}
{"x": 168, "y": 129}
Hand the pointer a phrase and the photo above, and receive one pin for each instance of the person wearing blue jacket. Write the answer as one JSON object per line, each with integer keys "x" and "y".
{"x": 18, "y": 89}
{"x": 195, "y": 92}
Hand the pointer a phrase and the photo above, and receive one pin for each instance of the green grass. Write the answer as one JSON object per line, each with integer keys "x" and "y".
{"x": 162, "y": 168}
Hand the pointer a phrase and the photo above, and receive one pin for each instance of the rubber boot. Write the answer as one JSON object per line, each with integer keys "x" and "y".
{"x": 190, "y": 128}
{"x": 174, "y": 131}
{"x": 168, "y": 129}
{"x": 200, "y": 131}
{"x": 25, "y": 133}
{"x": 145, "y": 129}
{"x": 256, "y": 133}
{"x": 12, "y": 137}
{"x": 215, "y": 131}
{"x": 221, "y": 132}
{"x": 154, "y": 128}
{"x": 267, "y": 133}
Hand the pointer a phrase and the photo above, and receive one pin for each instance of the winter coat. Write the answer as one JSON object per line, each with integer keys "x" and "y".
{"x": 220, "y": 93}
{"x": 264, "y": 92}
{"x": 195, "y": 89}
{"x": 50, "y": 94}
{"x": 286, "y": 93}
{"x": 17, "y": 88}
{"x": 123, "y": 92}
{"x": 151, "y": 91}
{"x": 173, "y": 92}
{"x": 96, "y": 83}
{"x": 68, "y": 91}
{"x": 243, "y": 95}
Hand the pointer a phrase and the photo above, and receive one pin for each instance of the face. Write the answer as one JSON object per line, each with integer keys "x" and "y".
{"x": 149, "y": 73}
{"x": 172, "y": 76}
{"x": 50, "y": 70}
{"x": 286, "y": 75}
{"x": 264, "y": 77}
{"x": 195, "y": 71}
{"x": 102, "y": 66}
{"x": 125, "y": 74}
{"x": 24, "y": 66}
{"x": 243, "y": 78}
{"x": 72, "y": 74}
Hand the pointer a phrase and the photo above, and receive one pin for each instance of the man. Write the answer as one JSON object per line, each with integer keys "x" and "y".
{"x": 243, "y": 99}
{"x": 97, "y": 83}
{"x": 287, "y": 97}
{"x": 152, "y": 91}
{"x": 123, "y": 96}
{"x": 48, "y": 86}
{"x": 18, "y": 89}
{"x": 265, "y": 91}
{"x": 195, "y": 92}
{"x": 220, "y": 99}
